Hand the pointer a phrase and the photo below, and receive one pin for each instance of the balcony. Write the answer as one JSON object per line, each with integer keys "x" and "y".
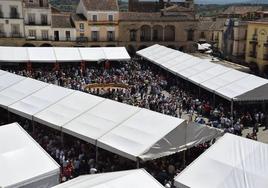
{"x": 14, "y": 16}
{"x": 2, "y": 34}
{"x": 81, "y": 39}
{"x": 16, "y": 35}
{"x": 253, "y": 54}
{"x": 265, "y": 57}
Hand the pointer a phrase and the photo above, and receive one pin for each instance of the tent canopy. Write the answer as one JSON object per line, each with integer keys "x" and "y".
{"x": 225, "y": 82}
{"x": 22, "y": 160}
{"x": 244, "y": 166}
{"x": 126, "y": 130}
{"x": 62, "y": 54}
{"x": 132, "y": 179}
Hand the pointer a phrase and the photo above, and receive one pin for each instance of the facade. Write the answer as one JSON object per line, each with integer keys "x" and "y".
{"x": 37, "y": 20}
{"x": 257, "y": 45}
{"x": 97, "y": 22}
{"x": 174, "y": 26}
{"x": 11, "y": 19}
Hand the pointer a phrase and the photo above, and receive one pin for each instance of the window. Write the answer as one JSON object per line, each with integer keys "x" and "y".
{"x": 133, "y": 35}
{"x": 82, "y": 27}
{"x": 94, "y": 18}
{"x": 190, "y": 35}
{"x": 110, "y": 18}
{"x": 202, "y": 35}
{"x": 31, "y": 18}
{"x": 44, "y": 34}
{"x": 30, "y": 1}
{"x": 68, "y": 35}
{"x": 14, "y": 12}
{"x": 2, "y": 30}
{"x": 44, "y": 19}
{"x": 110, "y": 35}
{"x": 95, "y": 35}
{"x": 32, "y": 33}
{"x": 15, "y": 30}
{"x": 1, "y": 13}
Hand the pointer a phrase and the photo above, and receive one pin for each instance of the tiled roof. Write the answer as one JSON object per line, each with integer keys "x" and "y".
{"x": 241, "y": 9}
{"x": 78, "y": 17}
{"x": 211, "y": 25}
{"x": 62, "y": 21}
{"x": 101, "y": 5}
{"x": 155, "y": 16}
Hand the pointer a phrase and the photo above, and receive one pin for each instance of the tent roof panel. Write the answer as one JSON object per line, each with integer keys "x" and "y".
{"x": 92, "y": 54}
{"x": 239, "y": 167}
{"x": 99, "y": 120}
{"x": 119, "y": 179}
{"x": 20, "y": 90}
{"x": 66, "y": 109}
{"x": 41, "y": 54}
{"x": 67, "y": 54}
{"x": 145, "y": 51}
{"x": 8, "y": 79}
{"x": 39, "y": 101}
{"x": 116, "y": 53}
{"x": 7, "y": 54}
{"x": 133, "y": 140}
{"x": 22, "y": 159}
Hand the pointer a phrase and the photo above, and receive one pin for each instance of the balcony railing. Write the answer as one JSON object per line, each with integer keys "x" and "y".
{"x": 16, "y": 35}
{"x": 2, "y": 34}
{"x": 253, "y": 54}
{"x": 14, "y": 15}
{"x": 81, "y": 39}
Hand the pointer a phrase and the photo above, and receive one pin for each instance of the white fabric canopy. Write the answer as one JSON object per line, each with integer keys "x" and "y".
{"x": 99, "y": 120}
{"x": 19, "y": 91}
{"x": 228, "y": 83}
{"x": 66, "y": 109}
{"x": 13, "y": 54}
{"x": 23, "y": 162}
{"x": 42, "y": 54}
{"x": 123, "y": 179}
{"x": 67, "y": 54}
{"x": 62, "y": 54}
{"x": 126, "y": 130}
{"x": 9, "y": 79}
{"x": 38, "y": 101}
{"x": 232, "y": 161}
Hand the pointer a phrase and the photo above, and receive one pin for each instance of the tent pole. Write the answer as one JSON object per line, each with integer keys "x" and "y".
{"x": 97, "y": 154}
{"x": 184, "y": 159}
{"x": 214, "y": 100}
{"x": 138, "y": 163}
{"x": 8, "y": 116}
{"x": 232, "y": 112}
{"x": 33, "y": 125}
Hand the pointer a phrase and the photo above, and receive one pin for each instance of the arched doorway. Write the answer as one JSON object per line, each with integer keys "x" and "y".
{"x": 170, "y": 33}
{"x": 157, "y": 33}
{"x": 145, "y": 33}
{"x": 28, "y": 45}
{"x": 46, "y": 45}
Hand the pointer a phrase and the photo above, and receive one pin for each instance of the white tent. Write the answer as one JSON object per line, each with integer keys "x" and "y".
{"x": 19, "y": 91}
{"x": 228, "y": 83}
{"x": 62, "y": 54}
{"x": 9, "y": 79}
{"x": 13, "y": 54}
{"x": 131, "y": 179}
{"x": 42, "y": 54}
{"x": 38, "y": 101}
{"x": 23, "y": 162}
{"x": 67, "y": 54}
{"x": 231, "y": 162}
{"x": 126, "y": 130}
{"x": 67, "y": 109}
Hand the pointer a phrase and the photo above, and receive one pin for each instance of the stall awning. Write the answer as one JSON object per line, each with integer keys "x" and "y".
{"x": 121, "y": 179}
{"x": 225, "y": 82}
{"x": 23, "y": 161}
{"x": 232, "y": 161}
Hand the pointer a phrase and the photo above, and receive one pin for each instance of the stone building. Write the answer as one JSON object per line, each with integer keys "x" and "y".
{"x": 174, "y": 26}
{"x": 257, "y": 45}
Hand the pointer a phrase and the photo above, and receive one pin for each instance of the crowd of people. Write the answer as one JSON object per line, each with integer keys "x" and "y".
{"x": 146, "y": 86}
